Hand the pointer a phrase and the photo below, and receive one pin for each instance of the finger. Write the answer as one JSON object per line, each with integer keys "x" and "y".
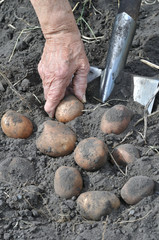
{"x": 42, "y": 76}
{"x": 80, "y": 82}
{"x": 55, "y": 94}
{"x": 46, "y": 87}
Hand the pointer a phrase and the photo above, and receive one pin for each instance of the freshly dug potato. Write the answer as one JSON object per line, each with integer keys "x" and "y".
{"x": 125, "y": 154}
{"x": 67, "y": 182}
{"x": 15, "y": 125}
{"x": 68, "y": 109}
{"x": 137, "y": 188}
{"x": 91, "y": 154}
{"x": 116, "y": 119}
{"x": 55, "y": 139}
{"x": 95, "y": 204}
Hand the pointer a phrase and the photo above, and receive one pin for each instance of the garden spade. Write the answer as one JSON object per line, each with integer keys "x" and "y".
{"x": 120, "y": 42}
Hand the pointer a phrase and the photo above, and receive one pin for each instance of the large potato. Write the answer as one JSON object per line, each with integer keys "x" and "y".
{"x": 68, "y": 109}
{"x": 55, "y": 139}
{"x": 125, "y": 154}
{"x": 67, "y": 182}
{"x": 95, "y": 204}
{"x": 116, "y": 119}
{"x": 91, "y": 154}
{"x": 15, "y": 125}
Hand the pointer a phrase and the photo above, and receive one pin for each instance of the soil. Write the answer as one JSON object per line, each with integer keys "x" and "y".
{"x": 29, "y": 207}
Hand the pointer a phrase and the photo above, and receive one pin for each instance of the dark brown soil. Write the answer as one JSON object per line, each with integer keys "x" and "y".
{"x": 29, "y": 207}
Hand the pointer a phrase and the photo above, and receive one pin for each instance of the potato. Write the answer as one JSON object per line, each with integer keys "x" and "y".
{"x": 136, "y": 188}
{"x": 68, "y": 109}
{"x": 67, "y": 182}
{"x": 116, "y": 119}
{"x": 95, "y": 204}
{"x": 91, "y": 154}
{"x": 125, "y": 154}
{"x": 55, "y": 139}
{"x": 15, "y": 125}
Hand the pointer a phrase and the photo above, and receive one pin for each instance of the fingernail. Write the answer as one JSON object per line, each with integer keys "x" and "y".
{"x": 84, "y": 98}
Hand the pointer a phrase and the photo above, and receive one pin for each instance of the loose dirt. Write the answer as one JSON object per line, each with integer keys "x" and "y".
{"x": 29, "y": 207}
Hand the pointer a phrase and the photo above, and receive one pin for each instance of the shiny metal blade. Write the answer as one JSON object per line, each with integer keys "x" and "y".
{"x": 122, "y": 35}
{"x": 106, "y": 87}
{"x": 144, "y": 89}
{"x": 94, "y": 73}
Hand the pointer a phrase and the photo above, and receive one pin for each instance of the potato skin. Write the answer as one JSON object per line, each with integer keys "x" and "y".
{"x": 15, "y": 125}
{"x": 136, "y": 188}
{"x": 91, "y": 154}
{"x": 67, "y": 182}
{"x": 68, "y": 109}
{"x": 56, "y": 139}
{"x": 115, "y": 120}
{"x": 125, "y": 154}
{"x": 95, "y": 204}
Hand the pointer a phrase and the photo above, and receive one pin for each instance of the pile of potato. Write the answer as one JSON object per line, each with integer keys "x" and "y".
{"x": 56, "y": 139}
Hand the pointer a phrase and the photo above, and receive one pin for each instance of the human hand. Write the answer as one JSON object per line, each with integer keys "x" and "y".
{"x": 63, "y": 64}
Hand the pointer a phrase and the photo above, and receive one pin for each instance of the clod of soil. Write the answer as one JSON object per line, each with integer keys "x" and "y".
{"x": 95, "y": 204}
{"x": 68, "y": 109}
{"x": 56, "y": 139}
{"x": 67, "y": 182}
{"x": 16, "y": 125}
{"x": 17, "y": 170}
{"x": 20, "y": 169}
{"x": 91, "y": 154}
{"x": 125, "y": 154}
{"x": 137, "y": 188}
{"x": 116, "y": 119}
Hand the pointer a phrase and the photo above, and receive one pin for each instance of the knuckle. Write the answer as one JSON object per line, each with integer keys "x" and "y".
{"x": 84, "y": 66}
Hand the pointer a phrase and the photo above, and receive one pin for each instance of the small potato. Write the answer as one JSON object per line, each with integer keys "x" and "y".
{"x": 67, "y": 182}
{"x": 125, "y": 154}
{"x": 91, "y": 154}
{"x": 95, "y": 204}
{"x": 136, "y": 188}
{"x": 15, "y": 125}
{"x": 116, "y": 119}
{"x": 55, "y": 139}
{"x": 68, "y": 109}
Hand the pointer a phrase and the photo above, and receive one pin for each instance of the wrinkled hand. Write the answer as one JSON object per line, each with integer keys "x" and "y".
{"x": 63, "y": 64}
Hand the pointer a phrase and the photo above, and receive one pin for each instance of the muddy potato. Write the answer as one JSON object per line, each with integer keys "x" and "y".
{"x": 95, "y": 204}
{"x": 116, "y": 119}
{"x": 55, "y": 139}
{"x": 136, "y": 188}
{"x": 15, "y": 125}
{"x": 125, "y": 154}
{"x": 91, "y": 154}
{"x": 67, "y": 182}
{"x": 68, "y": 109}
